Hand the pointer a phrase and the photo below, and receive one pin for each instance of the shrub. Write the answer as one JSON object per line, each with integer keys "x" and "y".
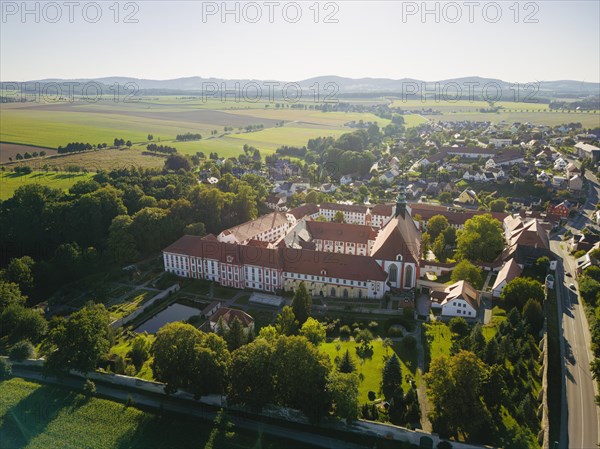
{"x": 371, "y": 395}
{"x": 5, "y": 369}
{"x": 373, "y": 325}
{"x": 345, "y": 331}
{"x": 89, "y": 387}
{"x": 21, "y": 350}
{"x": 394, "y": 331}
{"x": 409, "y": 342}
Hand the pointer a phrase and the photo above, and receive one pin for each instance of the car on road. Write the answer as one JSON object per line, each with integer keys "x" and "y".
{"x": 572, "y": 287}
{"x": 567, "y": 274}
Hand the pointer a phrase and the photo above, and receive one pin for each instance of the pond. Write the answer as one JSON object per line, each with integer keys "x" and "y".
{"x": 175, "y": 312}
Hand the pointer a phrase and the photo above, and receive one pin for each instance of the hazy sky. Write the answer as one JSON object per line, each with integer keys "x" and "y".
{"x": 370, "y": 39}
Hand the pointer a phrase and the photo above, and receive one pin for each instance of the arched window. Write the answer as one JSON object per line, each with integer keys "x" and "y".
{"x": 332, "y": 292}
{"x": 345, "y": 293}
{"x": 393, "y": 277}
{"x": 408, "y": 277}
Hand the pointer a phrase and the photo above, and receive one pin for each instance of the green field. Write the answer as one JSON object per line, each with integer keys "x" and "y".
{"x": 370, "y": 368}
{"x": 537, "y": 113}
{"x": 9, "y": 182}
{"x": 56, "y": 124}
{"x": 33, "y": 415}
{"x": 92, "y": 161}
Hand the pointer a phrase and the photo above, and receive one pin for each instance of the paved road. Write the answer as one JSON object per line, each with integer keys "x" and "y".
{"x": 583, "y": 414}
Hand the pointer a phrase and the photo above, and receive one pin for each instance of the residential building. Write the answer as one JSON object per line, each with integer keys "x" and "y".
{"x": 509, "y": 271}
{"x": 586, "y": 150}
{"x": 457, "y": 300}
{"x": 467, "y": 196}
{"x": 576, "y": 183}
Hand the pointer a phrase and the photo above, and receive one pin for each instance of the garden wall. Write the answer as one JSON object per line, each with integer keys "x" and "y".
{"x": 126, "y": 319}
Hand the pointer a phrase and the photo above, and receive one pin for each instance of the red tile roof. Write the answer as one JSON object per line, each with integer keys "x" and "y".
{"x": 303, "y": 261}
{"x": 304, "y": 210}
{"x": 228, "y": 315}
{"x": 426, "y": 211}
{"x": 342, "y": 232}
{"x": 382, "y": 209}
{"x": 334, "y": 265}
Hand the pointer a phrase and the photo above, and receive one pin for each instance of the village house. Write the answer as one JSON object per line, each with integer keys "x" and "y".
{"x": 457, "y": 300}
{"x": 224, "y": 316}
{"x": 560, "y": 164}
{"x": 571, "y": 170}
{"x": 509, "y": 271}
{"x": 467, "y": 196}
{"x": 586, "y": 150}
{"x": 500, "y": 143}
{"x": 576, "y": 183}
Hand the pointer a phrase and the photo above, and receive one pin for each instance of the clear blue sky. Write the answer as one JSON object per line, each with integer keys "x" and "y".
{"x": 370, "y": 39}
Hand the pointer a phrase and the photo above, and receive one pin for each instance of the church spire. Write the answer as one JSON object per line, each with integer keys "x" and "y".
{"x": 401, "y": 200}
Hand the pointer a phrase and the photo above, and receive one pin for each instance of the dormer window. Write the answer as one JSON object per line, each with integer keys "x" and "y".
{"x": 399, "y": 257}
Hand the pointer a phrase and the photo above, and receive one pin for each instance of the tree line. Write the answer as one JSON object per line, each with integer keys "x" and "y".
{"x": 188, "y": 136}
{"x": 470, "y": 389}
{"x": 115, "y": 218}
{"x": 161, "y": 148}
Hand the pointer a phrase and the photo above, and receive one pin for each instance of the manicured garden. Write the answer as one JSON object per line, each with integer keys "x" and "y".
{"x": 130, "y": 304}
{"x": 368, "y": 369}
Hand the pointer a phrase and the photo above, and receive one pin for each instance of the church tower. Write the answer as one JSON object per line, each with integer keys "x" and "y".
{"x": 401, "y": 200}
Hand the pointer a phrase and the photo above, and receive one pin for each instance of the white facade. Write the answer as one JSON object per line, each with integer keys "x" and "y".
{"x": 499, "y": 143}
{"x": 458, "y": 307}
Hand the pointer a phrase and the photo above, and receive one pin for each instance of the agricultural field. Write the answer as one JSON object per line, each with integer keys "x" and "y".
{"x": 9, "y": 151}
{"x": 34, "y": 415}
{"x": 370, "y": 368}
{"x": 93, "y": 161}
{"x": 9, "y": 182}
{"x": 538, "y": 113}
{"x": 587, "y": 119}
{"x": 55, "y": 124}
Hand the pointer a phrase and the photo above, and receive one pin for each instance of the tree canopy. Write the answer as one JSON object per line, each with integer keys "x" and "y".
{"x": 481, "y": 239}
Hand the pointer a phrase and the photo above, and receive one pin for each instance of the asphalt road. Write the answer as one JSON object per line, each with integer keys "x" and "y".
{"x": 583, "y": 414}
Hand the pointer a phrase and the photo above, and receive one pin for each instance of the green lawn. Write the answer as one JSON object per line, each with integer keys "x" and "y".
{"x": 498, "y": 315}
{"x": 224, "y": 292}
{"x": 34, "y": 415}
{"x": 440, "y": 338}
{"x": 9, "y": 182}
{"x": 370, "y": 368}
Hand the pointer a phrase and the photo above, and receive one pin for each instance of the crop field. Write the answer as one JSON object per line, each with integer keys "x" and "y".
{"x": 538, "y": 113}
{"x": 587, "y": 119}
{"x": 55, "y": 124}
{"x": 9, "y": 182}
{"x": 92, "y": 161}
{"x": 445, "y": 105}
{"x": 370, "y": 368}
{"x": 34, "y": 415}
{"x": 9, "y": 151}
